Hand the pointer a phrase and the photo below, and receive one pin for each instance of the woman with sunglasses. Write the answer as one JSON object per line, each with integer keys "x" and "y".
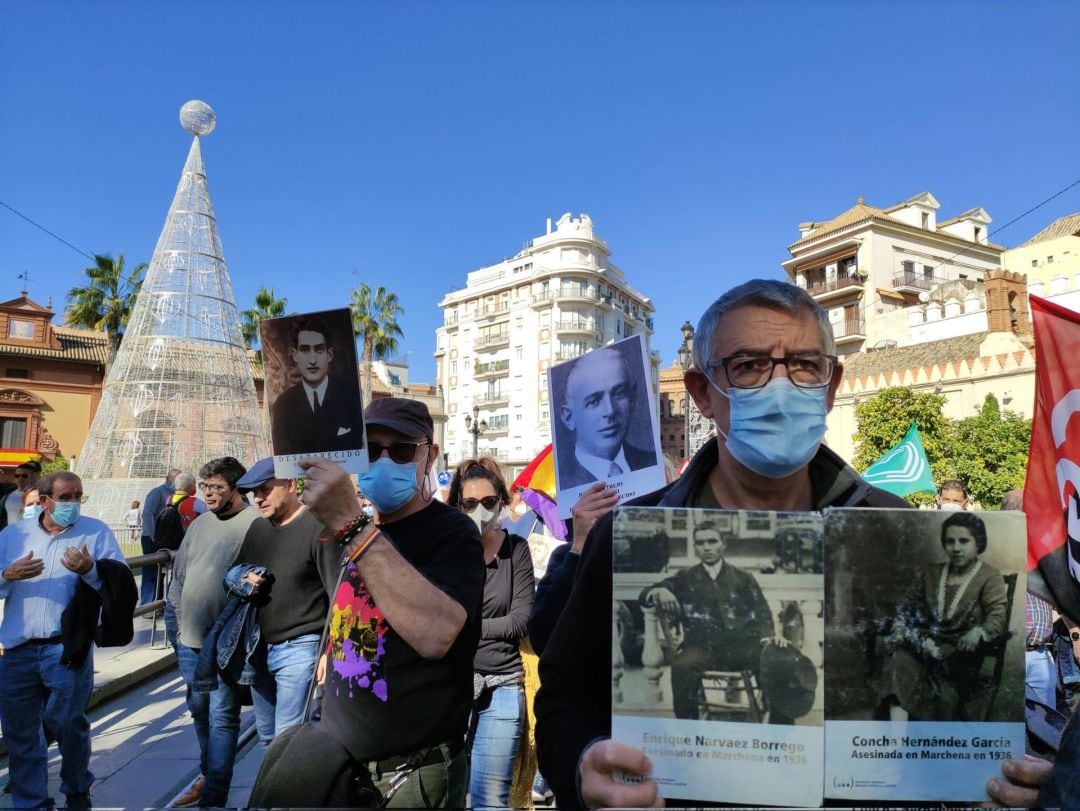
{"x": 479, "y": 490}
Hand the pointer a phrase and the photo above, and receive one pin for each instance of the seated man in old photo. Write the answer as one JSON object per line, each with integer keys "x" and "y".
{"x": 724, "y": 616}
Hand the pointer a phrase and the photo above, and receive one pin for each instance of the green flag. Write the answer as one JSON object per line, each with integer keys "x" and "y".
{"x": 903, "y": 469}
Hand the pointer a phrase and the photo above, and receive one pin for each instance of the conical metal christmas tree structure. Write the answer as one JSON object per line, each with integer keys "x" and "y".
{"x": 180, "y": 391}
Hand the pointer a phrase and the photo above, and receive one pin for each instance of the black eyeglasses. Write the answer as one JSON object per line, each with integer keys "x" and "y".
{"x": 400, "y": 452}
{"x": 489, "y": 502}
{"x": 752, "y": 370}
{"x": 22, "y": 475}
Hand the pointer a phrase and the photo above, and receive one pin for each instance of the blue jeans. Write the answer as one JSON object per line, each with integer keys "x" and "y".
{"x": 150, "y": 574}
{"x": 281, "y": 685}
{"x": 217, "y": 726}
{"x": 500, "y": 719}
{"x": 1041, "y": 677}
{"x": 35, "y": 687}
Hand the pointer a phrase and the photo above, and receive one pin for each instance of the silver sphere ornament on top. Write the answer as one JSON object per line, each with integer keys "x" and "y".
{"x": 197, "y": 117}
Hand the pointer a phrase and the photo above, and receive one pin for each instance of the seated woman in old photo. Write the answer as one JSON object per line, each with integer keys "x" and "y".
{"x": 934, "y": 668}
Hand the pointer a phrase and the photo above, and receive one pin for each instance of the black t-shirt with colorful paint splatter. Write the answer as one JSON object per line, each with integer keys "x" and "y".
{"x": 382, "y": 698}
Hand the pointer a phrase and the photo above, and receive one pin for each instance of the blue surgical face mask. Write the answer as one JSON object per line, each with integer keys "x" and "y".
{"x": 30, "y": 512}
{"x": 65, "y": 513}
{"x": 388, "y": 485}
{"x": 775, "y": 430}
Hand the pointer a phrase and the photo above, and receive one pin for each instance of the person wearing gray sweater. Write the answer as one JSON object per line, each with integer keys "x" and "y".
{"x": 197, "y": 598}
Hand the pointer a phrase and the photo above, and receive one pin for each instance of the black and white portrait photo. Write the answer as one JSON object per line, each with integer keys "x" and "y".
{"x": 718, "y": 625}
{"x": 313, "y": 389}
{"x": 605, "y": 427}
{"x": 925, "y": 619}
{"x": 924, "y": 651}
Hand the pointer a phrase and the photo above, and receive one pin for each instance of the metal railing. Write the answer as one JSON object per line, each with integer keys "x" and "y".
{"x": 818, "y": 286}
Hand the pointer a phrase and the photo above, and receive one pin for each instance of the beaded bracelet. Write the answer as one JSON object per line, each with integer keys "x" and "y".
{"x": 351, "y": 528}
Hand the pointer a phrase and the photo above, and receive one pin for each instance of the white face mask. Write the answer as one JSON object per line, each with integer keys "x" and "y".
{"x": 484, "y": 519}
{"x": 950, "y": 506}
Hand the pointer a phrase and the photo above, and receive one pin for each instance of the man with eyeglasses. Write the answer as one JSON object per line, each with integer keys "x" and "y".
{"x": 292, "y": 596}
{"x": 26, "y": 477}
{"x": 766, "y": 374}
{"x": 404, "y": 626}
{"x": 49, "y": 565}
{"x": 196, "y": 599}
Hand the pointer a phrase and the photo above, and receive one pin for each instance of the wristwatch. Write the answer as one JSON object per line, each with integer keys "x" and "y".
{"x": 1074, "y": 634}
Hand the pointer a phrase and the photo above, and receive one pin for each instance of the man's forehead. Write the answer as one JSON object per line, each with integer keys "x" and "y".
{"x": 597, "y": 372}
{"x": 307, "y": 337}
{"x": 215, "y": 479}
{"x": 707, "y": 536}
{"x": 66, "y": 486}
{"x": 752, "y": 328}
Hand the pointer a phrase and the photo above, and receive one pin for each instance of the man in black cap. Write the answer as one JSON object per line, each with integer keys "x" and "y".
{"x": 404, "y": 625}
{"x": 292, "y": 596}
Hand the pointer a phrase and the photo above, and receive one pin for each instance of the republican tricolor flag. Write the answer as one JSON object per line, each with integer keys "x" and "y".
{"x": 1052, "y": 488}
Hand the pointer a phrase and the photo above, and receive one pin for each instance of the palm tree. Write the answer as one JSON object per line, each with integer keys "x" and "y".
{"x": 267, "y": 305}
{"x": 107, "y": 300}
{"x": 375, "y": 321}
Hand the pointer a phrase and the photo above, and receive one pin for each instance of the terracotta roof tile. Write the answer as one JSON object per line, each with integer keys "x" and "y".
{"x": 917, "y": 356}
{"x": 1065, "y": 227}
{"x": 82, "y": 345}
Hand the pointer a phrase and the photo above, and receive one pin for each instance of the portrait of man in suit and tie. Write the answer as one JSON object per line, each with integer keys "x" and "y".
{"x": 321, "y": 412}
{"x": 603, "y": 426}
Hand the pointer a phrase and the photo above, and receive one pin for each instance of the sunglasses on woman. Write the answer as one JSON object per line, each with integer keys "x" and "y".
{"x": 469, "y": 504}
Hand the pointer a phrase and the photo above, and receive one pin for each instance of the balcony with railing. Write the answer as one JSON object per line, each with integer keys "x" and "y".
{"x": 493, "y": 310}
{"x": 568, "y": 354}
{"x": 912, "y": 282}
{"x": 543, "y": 299}
{"x": 850, "y": 329}
{"x": 818, "y": 287}
{"x": 493, "y": 341}
{"x": 496, "y": 368}
{"x": 497, "y": 430}
{"x": 492, "y": 399}
{"x": 450, "y": 320}
{"x": 576, "y": 325}
{"x": 496, "y": 454}
{"x": 577, "y": 293}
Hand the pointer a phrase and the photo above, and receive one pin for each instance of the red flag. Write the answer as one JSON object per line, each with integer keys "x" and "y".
{"x": 1053, "y": 474}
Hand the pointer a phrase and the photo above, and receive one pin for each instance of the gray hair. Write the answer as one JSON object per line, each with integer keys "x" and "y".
{"x": 45, "y": 486}
{"x": 184, "y": 481}
{"x": 770, "y": 293}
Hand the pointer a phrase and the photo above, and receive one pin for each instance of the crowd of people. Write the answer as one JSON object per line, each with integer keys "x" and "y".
{"x": 388, "y": 634}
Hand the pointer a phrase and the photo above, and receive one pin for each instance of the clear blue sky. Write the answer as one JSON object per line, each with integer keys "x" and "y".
{"x": 407, "y": 143}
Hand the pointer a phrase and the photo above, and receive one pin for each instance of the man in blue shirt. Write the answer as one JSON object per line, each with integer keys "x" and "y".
{"x": 42, "y": 563}
{"x": 152, "y": 504}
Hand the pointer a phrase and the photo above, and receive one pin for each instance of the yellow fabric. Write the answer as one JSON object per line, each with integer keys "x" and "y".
{"x": 525, "y": 763}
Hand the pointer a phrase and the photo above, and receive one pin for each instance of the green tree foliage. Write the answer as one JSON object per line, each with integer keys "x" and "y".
{"x": 267, "y": 305}
{"x": 107, "y": 300}
{"x": 988, "y": 451}
{"x": 374, "y": 315}
{"x": 991, "y": 452}
{"x": 59, "y": 463}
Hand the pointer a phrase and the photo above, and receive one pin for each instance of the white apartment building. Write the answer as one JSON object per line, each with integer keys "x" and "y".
{"x": 896, "y": 276}
{"x": 557, "y": 298}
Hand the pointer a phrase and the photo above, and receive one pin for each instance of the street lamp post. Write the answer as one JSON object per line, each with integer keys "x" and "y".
{"x": 475, "y": 426}
{"x": 686, "y": 360}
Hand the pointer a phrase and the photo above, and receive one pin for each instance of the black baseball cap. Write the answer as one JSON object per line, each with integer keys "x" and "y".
{"x": 407, "y": 417}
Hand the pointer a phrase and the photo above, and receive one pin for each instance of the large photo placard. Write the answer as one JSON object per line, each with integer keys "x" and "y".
{"x": 605, "y": 424}
{"x": 924, "y": 652}
{"x": 313, "y": 391}
{"x": 717, "y": 666}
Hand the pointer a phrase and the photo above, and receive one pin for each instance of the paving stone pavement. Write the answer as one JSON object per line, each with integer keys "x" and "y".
{"x": 144, "y": 746}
